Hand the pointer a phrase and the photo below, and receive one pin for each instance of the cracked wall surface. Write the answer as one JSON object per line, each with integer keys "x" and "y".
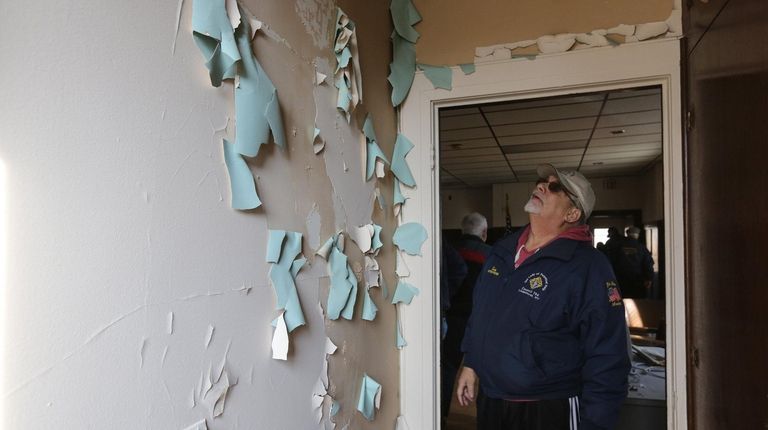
{"x": 452, "y": 29}
{"x": 122, "y": 249}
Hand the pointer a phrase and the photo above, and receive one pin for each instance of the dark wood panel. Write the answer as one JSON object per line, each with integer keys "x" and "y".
{"x": 699, "y": 16}
{"x": 726, "y": 228}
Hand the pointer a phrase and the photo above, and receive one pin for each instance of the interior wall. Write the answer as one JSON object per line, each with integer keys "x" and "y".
{"x": 122, "y": 249}
{"x": 452, "y": 29}
{"x": 653, "y": 203}
{"x": 727, "y": 77}
{"x": 616, "y": 193}
{"x": 458, "y": 202}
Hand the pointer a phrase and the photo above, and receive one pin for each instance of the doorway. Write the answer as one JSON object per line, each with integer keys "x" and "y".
{"x": 488, "y": 154}
{"x": 647, "y": 65}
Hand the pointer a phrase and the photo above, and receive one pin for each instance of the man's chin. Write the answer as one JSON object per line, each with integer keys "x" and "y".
{"x": 531, "y": 207}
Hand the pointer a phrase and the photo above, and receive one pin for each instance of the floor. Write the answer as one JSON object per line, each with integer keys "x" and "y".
{"x": 461, "y": 417}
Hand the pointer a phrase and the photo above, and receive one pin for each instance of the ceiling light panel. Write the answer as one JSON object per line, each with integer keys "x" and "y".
{"x": 622, "y": 120}
{"x": 624, "y": 140}
{"x": 631, "y": 130}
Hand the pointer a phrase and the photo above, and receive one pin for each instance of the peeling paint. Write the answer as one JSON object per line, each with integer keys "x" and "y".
{"x": 555, "y": 44}
{"x": 552, "y": 44}
{"x": 176, "y": 33}
{"x": 170, "y": 323}
{"x": 158, "y": 262}
{"x": 141, "y": 352}
{"x": 317, "y": 18}
{"x": 209, "y": 336}
{"x": 313, "y": 227}
{"x": 648, "y": 31}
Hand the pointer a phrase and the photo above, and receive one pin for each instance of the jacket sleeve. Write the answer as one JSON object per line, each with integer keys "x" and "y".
{"x": 477, "y": 293}
{"x": 604, "y": 339}
{"x": 466, "y": 342}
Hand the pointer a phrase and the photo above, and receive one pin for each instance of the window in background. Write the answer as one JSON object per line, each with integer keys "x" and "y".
{"x": 600, "y": 235}
{"x": 652, "y": 243}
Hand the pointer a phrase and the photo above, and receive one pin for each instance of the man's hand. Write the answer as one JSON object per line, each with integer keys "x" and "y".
{"x": 467, "y": 386}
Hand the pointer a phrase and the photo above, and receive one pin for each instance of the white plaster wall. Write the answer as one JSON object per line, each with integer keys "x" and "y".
{"x": 653, "y": 204}
{"x": 628, "y": 192}
{"x": 458, "y": 202}
{"x": 518, "y": 195}
{"x": 116, "y": 201}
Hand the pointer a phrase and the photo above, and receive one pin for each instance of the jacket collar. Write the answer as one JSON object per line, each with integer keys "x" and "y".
{"x": 561, "y": 248}
{"x": 470, "y": 237}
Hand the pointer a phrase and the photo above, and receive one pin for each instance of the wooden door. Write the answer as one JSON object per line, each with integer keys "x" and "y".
{"x": 726, "y": 74}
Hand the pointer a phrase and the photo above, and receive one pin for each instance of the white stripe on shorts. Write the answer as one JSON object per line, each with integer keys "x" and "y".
{"x": 573, "y": 403}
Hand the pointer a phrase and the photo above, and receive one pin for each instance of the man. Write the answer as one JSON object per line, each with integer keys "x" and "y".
{"x": 473, "y": 250}
{"x": 612, "y": 245}
{"x": 633, "y": 265}
{"x": 547, "y": 337}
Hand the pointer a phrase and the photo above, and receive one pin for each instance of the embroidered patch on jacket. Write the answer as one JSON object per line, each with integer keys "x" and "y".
{"x": 614, "y": 297}
{"x": 493, "y": 271}
{"x": 534, "y": 285}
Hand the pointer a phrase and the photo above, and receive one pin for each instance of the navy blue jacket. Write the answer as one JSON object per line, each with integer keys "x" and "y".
{"x": 552, "y": 328}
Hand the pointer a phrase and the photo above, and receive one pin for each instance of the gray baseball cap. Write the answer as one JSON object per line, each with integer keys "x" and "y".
{"x": 576, "y": 183}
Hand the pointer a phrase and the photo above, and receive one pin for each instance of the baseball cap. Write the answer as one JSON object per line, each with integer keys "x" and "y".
{"x": 576, "y": 183}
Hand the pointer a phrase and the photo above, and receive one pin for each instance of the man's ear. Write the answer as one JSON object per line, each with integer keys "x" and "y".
{"x": 573, "y": 215}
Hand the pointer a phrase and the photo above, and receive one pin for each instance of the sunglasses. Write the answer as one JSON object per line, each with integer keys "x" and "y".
{"x": 556, "y": 187}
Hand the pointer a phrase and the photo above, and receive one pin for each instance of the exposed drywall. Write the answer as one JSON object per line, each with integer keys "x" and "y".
{"x": 452, "y": 29}
{"x": 117, "y": 207}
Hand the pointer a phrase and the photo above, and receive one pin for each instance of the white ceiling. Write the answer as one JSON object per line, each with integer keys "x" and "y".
{"x": 615, "y": 133}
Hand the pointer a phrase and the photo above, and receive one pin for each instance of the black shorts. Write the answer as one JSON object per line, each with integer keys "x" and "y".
{"x": 498, "y": 414}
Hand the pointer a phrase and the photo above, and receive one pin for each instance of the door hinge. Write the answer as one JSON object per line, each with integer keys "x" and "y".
{"x": 695, "y": 357}
{"x": 689, "y": 120}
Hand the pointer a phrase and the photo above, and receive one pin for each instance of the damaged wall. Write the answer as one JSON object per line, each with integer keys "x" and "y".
{"x": 129, "y": 277}
{"x": 452, "y": 29}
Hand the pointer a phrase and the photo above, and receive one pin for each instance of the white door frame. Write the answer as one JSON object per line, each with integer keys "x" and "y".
{"x": 630, "y": 65}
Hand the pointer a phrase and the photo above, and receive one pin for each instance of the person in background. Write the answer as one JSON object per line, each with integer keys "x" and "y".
{"x": 453, "y": 271}
{"x": 547, "y": 339}
{"x": 473, "y": 250}
{"x": 612, "y": 245}
{"x": 633, "y": 265}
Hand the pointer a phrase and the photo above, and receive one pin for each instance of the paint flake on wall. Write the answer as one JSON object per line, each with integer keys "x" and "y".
{"x": 283, "y": 247}
{"x": 343, "y": 290}
{"x": 552, "y": 44}
{"x": 404, "y": 37}
{"x": 224, "y": 39}
{"x": 347, "y": 78}
{"x": 375, "y": 158}
{"x": 369, "y": 399}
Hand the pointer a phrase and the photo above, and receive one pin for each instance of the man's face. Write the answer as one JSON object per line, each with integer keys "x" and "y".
{"x": 546, "y": 203}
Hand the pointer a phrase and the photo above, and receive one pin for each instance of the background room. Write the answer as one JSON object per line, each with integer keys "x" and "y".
{"x": 488, "y": 158}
